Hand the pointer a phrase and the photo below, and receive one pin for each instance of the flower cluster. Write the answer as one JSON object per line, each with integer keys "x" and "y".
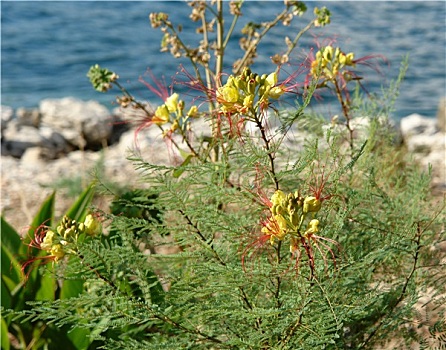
{"x": 102, "y": 79}
{"x": 322, "y": 16}
{"x": 330, "y": 62}
{"x": 172, "y": 111}
{"x": 63, "y": 240}
{"x": 248, "y": 93}
{"x": 289, "y": 214}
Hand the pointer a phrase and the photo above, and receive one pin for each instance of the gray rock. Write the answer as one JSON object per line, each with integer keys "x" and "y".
{"x": 16, "y": 139}
{"x": 83, "y": 124}
{"x": 28, "y": 117}
{"x": 55, "y": 144}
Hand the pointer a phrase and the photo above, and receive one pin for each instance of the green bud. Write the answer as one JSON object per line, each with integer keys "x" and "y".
{"x": 69, "y": 232}
{"x": 251, "y": 87}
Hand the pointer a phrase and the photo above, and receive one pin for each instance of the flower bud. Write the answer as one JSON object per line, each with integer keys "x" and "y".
{"x": 275, "y": 92}
{"x": 312, "y": 227}
{"x": 193, "y": 112}
{"x": 349, "y": 59}
{"x": 69, "y": 232}
{"x": 57, "y": 251}
{"x": 92, "y": 225}
{"x": 47, "y": 241}
{"x": 311, "y": 205}
{"x": 278, "y": 197}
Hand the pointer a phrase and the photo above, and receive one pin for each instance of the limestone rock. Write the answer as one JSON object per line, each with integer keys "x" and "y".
{"x": 416, "y": 124}
{"x": 427, "y": 142}
{"x": 7, "y": 113}
{"x": 83, "y": 124}
{"x": 17, "y": 138}
{"x": 28, "y": 117}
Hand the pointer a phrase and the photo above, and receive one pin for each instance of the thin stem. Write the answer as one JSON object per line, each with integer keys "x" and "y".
{"x": 220, "y": 34}
{"x": 158, "y": 315}
{"x": 206, "y": 47}
{"x": 231, "y": 29}
{"x": 297, "y": 38}
{"x": 189, "y": 54}
{"x": 215, "y": 253}
{"x": 256, "y": 42}
{"x": 137, "y": 103}
{"x": 345, "y": 111}
{"x": 268, "y": 150}
{"x": 405, "y": 286}
{"x": 278, "y": 278}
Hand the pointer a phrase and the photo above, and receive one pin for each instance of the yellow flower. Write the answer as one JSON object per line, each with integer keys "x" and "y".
{"x": 172, "y": 103}
{"x": 282, "y": 223}
{"x": 92, "y": 225}
{"x": 227, "y": 94}
{"x": 311, "y": 205}
{"x": 193, "y": 112}
{"x": 349, "y": 59}
{"x": 278, "y": 197}
{"x": 276, "y": 228}
{"x": 47, "y": 241}
{"x": 271, "y": 79}
{"x": 279, "y": 202}
{"x": 312, "y": 227}
{"x": 161, "y": 115}
{"x": 57, "y": 251}
{"x": 275, "y": 92}
{"x": 248, "y": 101}
{"x": 327, "y": 53}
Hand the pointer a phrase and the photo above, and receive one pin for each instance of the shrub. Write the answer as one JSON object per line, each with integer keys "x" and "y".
{"x": 251, "y": 238}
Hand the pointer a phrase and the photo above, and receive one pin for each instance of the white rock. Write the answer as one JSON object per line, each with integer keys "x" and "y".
{"x": 84, "y": 124}
{"x": 32, "y": 158}
{"x": 416, "y": 124}
{"x": 425, "y": 140}
{"x": 426, "y": 144}
{"x": 7, "y": 113}
{"x": 28, "y": 117}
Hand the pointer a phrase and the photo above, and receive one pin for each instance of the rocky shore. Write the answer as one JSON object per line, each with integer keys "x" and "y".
{"x": 66, "y": 139}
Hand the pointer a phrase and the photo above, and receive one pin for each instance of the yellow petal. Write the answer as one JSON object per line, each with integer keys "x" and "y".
{"x": 172, "y": 103}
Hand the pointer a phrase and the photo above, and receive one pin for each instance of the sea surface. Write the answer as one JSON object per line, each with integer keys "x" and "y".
{"x": 47, "y": 47}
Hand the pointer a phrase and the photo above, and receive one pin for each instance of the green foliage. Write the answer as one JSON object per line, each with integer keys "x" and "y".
{"x": 101, "y": 78}
{"x": 23, "y": 282}
{"x": 257, "y": 240}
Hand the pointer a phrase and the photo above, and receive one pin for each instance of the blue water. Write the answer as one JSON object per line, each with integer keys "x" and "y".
{"x": 48, "y": 47}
